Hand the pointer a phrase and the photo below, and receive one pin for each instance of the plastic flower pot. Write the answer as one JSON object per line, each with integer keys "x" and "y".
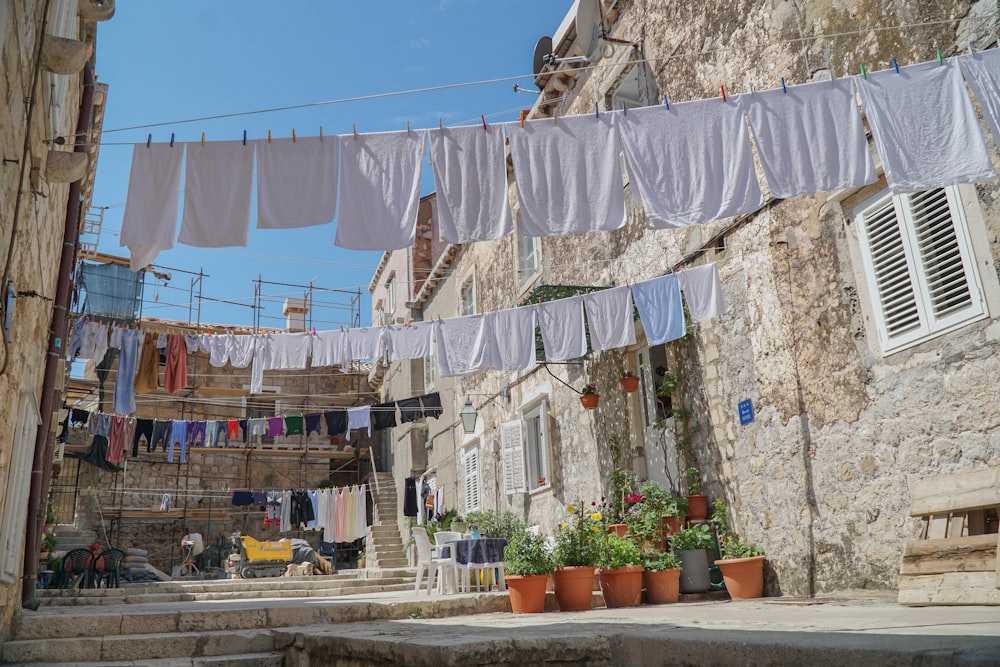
{"x": 630, "y": 383}
{"x": 744, "y": 577}
{"x": 663, "y": 586}
{"x": 622, "y": 586}
{"x": 694, "y": 571}
{"x": 590, "y": 401}
{"x": 527, "y": 593}
{"x": 574, "y": 587}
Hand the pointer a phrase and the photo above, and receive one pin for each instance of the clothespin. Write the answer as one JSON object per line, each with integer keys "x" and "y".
{"x": 269, "y": 136}
{"x": 723, "y": 89}
{"x": 355, "y": 131}
{"x": 624, "y": 108}
{"x": 783, "y": 86}
{"x": 940, "y": 59}
{"x": 971, "y": 52}
{"x": 149, "y": 140}
{"x": 321, "y": 133}
{"x": 244, "y": 137}
{"x": 407, "y": 127}
{"x": 203, "y": 139}
{"x": 171, "y": 139}
{"x": 293, "y": 135}
{"x": 555, "y": 116}
{"x": 751, "y": 89}
{"x": 596, "y": 113}
{"x": 441, "y": 123}
{"x": 523, "y": 114}
{"x": 895, "y": 65}
{"x": 482, "y": 117}
{"x": 666, "y": 102}
{"x": 864, "y": 72}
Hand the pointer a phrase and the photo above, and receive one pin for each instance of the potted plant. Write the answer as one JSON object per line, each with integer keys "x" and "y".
{"x": 578, "y": 551}
{"x": 621, "y": 572}
{"x": 527, "y": 566}
{"x": 742, "y": 565}
{"x": 663, "y": 576}
{"x": 474, "y": 532}
{"x": 49, "y": 543}
{"x": 589, "y": 396}
{"x": 630, "y": 383}
{"x": 697, "y": 501}
{"x": 655, "y": 515}
{"x": 691, "y": 544}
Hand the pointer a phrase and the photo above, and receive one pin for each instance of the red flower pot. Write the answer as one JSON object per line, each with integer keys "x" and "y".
{"x": 617, "y": 529}
{"x": 574, "y": 587}
{"x": 527, "y": 593}
{"x": 590, "y": 401}
{"x": 697, "y": 507}
{"x": 663, "y": 586}
{"x": 622, "y": 586}
{"x": 630, "y": 383}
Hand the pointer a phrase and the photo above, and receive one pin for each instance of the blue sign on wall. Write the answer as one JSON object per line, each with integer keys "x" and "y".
{"x": 746, "y": 411}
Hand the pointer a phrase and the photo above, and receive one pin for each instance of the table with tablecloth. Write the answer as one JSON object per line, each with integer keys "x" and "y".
{"x": 486, "y": 553}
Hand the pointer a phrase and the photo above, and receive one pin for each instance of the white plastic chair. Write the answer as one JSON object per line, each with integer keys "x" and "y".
{"x": 439, "y": 571}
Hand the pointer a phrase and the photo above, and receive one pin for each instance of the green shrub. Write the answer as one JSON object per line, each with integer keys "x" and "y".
{"x": 619, "y": 552}
{"x": 663, "y": 560}
{"x": 692, "y": 538}
{"x": 497, "y": 524}
{"x": 581, "y": 539}
{"x": 526, "y": 554}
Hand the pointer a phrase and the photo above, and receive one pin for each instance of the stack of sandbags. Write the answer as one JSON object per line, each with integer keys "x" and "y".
{"x": 136, "y": 566}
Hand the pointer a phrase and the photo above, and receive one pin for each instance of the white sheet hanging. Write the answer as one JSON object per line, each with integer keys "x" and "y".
{"x": 218, "y": 187}
{"x": 363, "y": 343}
{"x": 154, "y": 185}
{"x": 659, "y": 304}
{"x": 413, "y": 340}
{"x": 241, "y": 349}
{"x": 379, "y": 190}
{"x": 328, "y": 349}
{"x": 982, "y": 73}
{"x": 470, "y": 176}
{"x": 610, "y": 318}
{"x": 289, "y": 351}
{"x": 810, "y": 139}
{"x": 297, "y": 182}
{"x": 261, "y": 360}
{"x": 568, "y": 173}
{"x": 563, "y": 332}
{"x": 702, "y": 291}
{"x": 691, "y": 163}
{"x": 217, "y": 348}
{"x": 463, "y": 345}
{"x": 925, "y": 127}
{"x": 512, "y": 334}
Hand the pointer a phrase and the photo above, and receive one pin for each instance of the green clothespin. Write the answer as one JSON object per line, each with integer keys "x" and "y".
{"x": 864, "y": 72}
{"x": 940, "y": 59}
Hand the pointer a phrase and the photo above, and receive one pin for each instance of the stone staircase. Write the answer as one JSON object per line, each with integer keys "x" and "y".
{"x": 70, "y": 538}
{"x": 383, "y": 546}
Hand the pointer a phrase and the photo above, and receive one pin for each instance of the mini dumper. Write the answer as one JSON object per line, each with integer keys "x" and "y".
{"x": 253, "y": 559}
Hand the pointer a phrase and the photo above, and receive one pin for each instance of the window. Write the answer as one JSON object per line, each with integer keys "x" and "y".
{"x": 467, "y": 297}
{"x": 525, "y": 451}
{"x": 470, "y": 462}
{"x": 62, "y": 22}
{"x": 18, "y": 483}
{"x": 919, "y": 266}
{"x": 528, "y": 254}
{"x": 390, "y": 296}
{"x": 429, "y": 370}
{"x": 379, "y": 316}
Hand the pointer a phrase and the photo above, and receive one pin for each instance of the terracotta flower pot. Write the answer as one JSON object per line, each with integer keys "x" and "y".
{"x": 697, "y": 507}
{"x": 590, "y": 401}
{"x": 630, "y": 384}
{"x": 574, "y": 587}
{"x": 622, "y": 586}
{"x": 744, "y": 577}
{"x": 663, "y": 586}
{"x": 617, "y": 529}
{"x": 527, "y": 593}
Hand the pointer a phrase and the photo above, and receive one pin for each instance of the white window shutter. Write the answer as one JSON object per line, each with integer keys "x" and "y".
{"x": 512, "y": 446}
{"x": 543, "y": 441}
{"x": 471, "y": 464}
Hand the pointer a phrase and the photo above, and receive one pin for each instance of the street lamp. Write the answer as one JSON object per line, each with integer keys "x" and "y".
{"x": 469, "y": 416}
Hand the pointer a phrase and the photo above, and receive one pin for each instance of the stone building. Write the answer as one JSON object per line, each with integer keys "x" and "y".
{"x": 852, "y": 404}
{"x": 50, "y": 126}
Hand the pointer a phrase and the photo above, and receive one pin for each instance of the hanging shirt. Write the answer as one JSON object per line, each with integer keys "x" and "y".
{"x": 336, "y": 422}
{"x": 690, "y": 163}
{"x": 175, "y": 375}
{"x": 363, "y": 343}
{"x": 564, "y": 335}
{"x": 568, "y": 173}
{"x": 154, "y": 185}
{"x": 359, "y": 417}
{"x": 413, "y": 340}
{"x": 463, "y": 345}
{"x": 659, "y": 304}
{"x": 925, "y": 127}
{"x": 294, "y": 425}
{"x": 128, "y": 360}
{"x": 217, "y": 347}
{"x": 432, "y": 404}
{"x": 982, "y": 73}
{"x": 810, "y": 139}
{"x": 328, "y": 349}
{"x": 289, "y": 351}
{"x": 609, "y": 318}
{"x": 379, "y": 190}
{"x": 470, "y": 178}
{"x": 702, "y": 291}
{"x": 275, "y": 426}
{"x": 512, "y": 343}
{"x": 218, "y": 186}
{"x": 409, "y": 409}
{"x": 383, "y": 416}
{"x": 312, "y": 423}
{"x": 296, "y": 181}
{"x": 147, "y": 374}
{"x": 241, "y": 349}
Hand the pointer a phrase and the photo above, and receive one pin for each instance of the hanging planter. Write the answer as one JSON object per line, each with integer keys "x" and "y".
{"x": 589, "y": 397}
{"x": 630, "y": 383}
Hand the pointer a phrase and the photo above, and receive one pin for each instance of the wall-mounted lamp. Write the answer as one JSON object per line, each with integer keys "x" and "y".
{"x": 469, "y": 414}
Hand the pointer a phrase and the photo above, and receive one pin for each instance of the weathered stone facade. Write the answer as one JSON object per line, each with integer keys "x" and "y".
{"x": 820, "y": 479}
{"x": 38, "y": 106}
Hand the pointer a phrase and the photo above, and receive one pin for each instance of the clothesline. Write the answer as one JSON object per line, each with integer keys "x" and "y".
{"x": 810, "y": 139}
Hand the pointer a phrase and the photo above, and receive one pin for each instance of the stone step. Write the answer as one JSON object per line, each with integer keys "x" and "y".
{"x": 272, "y": 659}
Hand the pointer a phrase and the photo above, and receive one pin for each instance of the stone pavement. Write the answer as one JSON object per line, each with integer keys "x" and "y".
{"x": 402, "y": 628}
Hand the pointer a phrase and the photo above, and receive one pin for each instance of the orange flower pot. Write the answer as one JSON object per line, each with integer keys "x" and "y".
{"x": 590, "y": 401}
{"x": 663, "y": 586}
{"x": 630, "y": 384}
{"x": 622, "y": 586}
{"x": 574, "y": 587}
{"x": 744, "y": 577}
{"x": 697, "y": 507}
{"x": 617, "y": 529}
{"x": 527, "y": 593}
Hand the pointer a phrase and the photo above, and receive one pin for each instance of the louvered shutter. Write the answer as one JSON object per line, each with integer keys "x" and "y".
{"x": 512, "y": 448}
{"x": 471, "y": 464}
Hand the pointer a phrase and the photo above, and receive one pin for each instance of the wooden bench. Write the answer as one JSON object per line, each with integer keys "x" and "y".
{"x": 952, "y": 560}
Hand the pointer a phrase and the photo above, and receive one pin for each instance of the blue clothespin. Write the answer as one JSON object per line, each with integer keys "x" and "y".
{"x": 244, "y": 137}
{"x": 783, "y": 86}
{"x": 666, "y": 102}
{"x": 596, "y": 113}
{"x": 895, "y": 65}
{"x": 171, "y": 139}
{"x": 149, "y": 140}
{"x": 624, "y": 108}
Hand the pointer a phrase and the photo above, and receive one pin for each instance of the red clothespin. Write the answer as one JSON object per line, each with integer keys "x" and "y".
{"x": 483, "y": 118}
{"x": 723, "y": 89}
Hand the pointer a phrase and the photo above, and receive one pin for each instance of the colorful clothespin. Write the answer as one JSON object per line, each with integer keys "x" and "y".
{"x": 203, "y": 139}
{"x": 895, "y": 65}
{"x": 783, "y": 86}
{"x": 666, "y": 102}
{"x": 244, "y": 137}
{"x": 723, "y": 89}
{"x": 149, "y": 140}
{"x": 171, "y": 139}
{"x": 555, "y": 116}
{"x": 864, "y": 72}
{"x": 940, "y": 59}
{"x": 269, "y": 136}
{"x": 596, "y": 112}
{"x": 482, "y": 117}
{"x": 440, "y": 123}
{"x": 523, "y": 114}
{"x": 293, "y": 135}
{"x": 624, "y": 108}
{"x": 321, "y": 133}
{"x": 407, "y": 127}
{"x": 355, "y": 131}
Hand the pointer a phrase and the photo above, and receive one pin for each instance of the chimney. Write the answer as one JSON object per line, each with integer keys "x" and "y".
{"x": 295, "y": 311}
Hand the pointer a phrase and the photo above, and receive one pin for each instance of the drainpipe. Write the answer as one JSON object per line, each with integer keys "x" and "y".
{"x": 42, "y": 464}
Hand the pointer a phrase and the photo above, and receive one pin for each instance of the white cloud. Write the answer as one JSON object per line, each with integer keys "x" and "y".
{"x": 420, "y": 43}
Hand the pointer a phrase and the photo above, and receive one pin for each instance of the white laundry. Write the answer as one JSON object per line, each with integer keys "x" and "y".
{"x": 94, "y": 343}
{"x": 116, "y": 336}
{"x": 241, "y": 350}
{"x": 363, "y": 343}
{"x": 328, "y": 348}
{"x": 379, "y": 190}
{"x": 925, "y": 127}
{"x": 982, "y": 73}
{"x": 413, "y": 340}
{"x": 810, "y": 139}
{"x": 691, "y": 163}
{"x": 568, "y": 173}
{"x": 359, "y": 417}
{"x": 463, "y": 345}
{"x": 512, "y": 333}
{"x": 564, "y": 335}
{"x": 296, "y": 182}
{"x": 702, "y": 291}
{"x": 191, "y": 342}
{"x": 470, "y": 178}
{"x": 154, "y": 185}
{"x": 162, "y": 340}
{"x": 289, "y": 351}
{"x": 261, "y": 360}
{"x": 610, "y": 318}
{"x": 217, "y": 347}
{"x": 218, "y": 187}
{"x": 659, "y": 304}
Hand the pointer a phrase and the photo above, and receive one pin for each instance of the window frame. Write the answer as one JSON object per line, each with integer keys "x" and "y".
{"x": 390, "y": 297}
{"x": 468, "y": 307}
{"x": 533, "y": 451}
{"x": 928, "y": 324}
{"x": 526, "y": 275}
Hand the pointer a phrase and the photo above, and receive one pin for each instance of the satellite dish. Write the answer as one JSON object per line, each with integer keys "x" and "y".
{"x": 588, "y": 19}
{"x": 542, "y": 48}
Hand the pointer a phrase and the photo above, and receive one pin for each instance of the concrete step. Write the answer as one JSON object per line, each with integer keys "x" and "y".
{"x": 271, "y": 659}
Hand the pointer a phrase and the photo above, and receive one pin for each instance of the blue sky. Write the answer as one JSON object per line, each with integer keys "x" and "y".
{"x": 172, "y": 61}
